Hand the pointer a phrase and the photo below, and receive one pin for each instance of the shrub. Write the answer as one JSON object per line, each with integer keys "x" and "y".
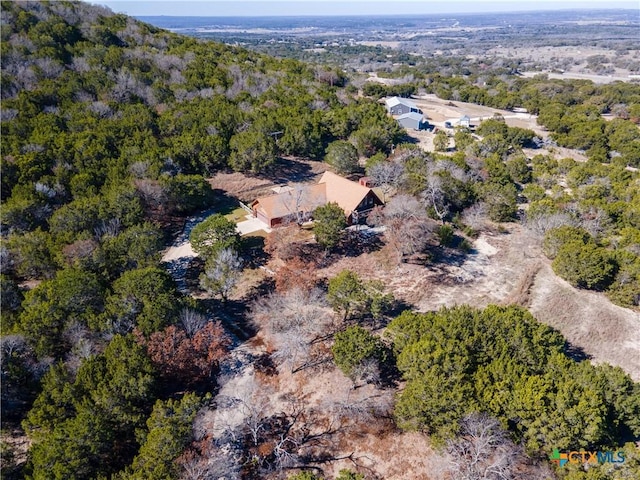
{"x": 446, "y": 235}
{"x": 214, "y": 234}
{"x": 625, "y": 290}
{"x": 501, "y": 201}
{"x": 534, "y": 192}
{"x": 354, "y": 346}
{"x": 585, "y": 265}
{"x": 343, "y": 156}
{"x": 329, "y": 223}
{"x": 556, "y": 238}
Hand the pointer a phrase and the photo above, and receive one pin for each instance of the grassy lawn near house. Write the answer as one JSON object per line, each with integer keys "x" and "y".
{"x": 237, "y": 215}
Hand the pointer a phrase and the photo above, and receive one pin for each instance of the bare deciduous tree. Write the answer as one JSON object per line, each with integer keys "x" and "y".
{"x": 435, "y": 197}
{"x": 285, "y": 452}
{"x": 207, "y": 461}
{"x": 244, "y": 411}
{"x": 388, "y": 176}
{"x": 541, "y": 224}
{"x": 153, "y": 193}
{"x": 280, "y": 312}
{"x": 101, "y": 109}
{"x": 82, "y": 345}
{"x": 48, "y": 68}
{"x": 222, "y": 273}
{"x": 353, "y": 406}
{"x": 109, "y": 228}
{"x": 435, "y": 193}
{"x": 299, "y": 202}
{"x": 192, "y": 321}
{"x": 293, "y": 349}
{"x": 408, "y": 228}
{"x": 11, "y": 345}
{"x": 139, "y": 169}
{"x": 476, "y": 216}
{"x": 595, "y": 221}
{"x": 292, "y": 321}
{"x": 483, "y": 451}
{"x": 367, "y": 371}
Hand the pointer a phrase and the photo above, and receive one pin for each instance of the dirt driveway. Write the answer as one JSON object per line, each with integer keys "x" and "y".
{"x": 438, "y": 111}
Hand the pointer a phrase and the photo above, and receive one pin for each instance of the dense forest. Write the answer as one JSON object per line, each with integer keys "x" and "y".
{"x": 109, "y": 129}
{"x": 108, "y": 126}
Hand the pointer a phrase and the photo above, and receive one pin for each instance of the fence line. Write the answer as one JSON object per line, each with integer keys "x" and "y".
{"x": 245, "y": 206}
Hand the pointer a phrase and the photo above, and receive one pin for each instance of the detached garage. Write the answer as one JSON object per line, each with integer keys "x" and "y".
{"x": 413, "y": 121}
{"x": 400, "y": 106}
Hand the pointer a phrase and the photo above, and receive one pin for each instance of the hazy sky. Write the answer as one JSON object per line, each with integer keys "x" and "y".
{"x": 350, "y": 7}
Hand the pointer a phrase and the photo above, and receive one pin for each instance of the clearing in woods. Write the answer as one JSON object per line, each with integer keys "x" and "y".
{"x": 503, "y": 268}
{"x": 508, "y": 268}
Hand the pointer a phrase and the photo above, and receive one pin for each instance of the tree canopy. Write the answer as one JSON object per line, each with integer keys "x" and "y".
{"x": 500, "y": 360}
{"x": 329, "y": 222}
{"x": 213, "y": 235}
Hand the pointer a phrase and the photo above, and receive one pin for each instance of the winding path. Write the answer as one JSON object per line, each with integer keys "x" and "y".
{"x": 236, "y": 369}
{"x": 179, "y": 254}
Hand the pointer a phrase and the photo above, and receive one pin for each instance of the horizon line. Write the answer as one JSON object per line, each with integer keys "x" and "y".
{"x": 514, "y": 12}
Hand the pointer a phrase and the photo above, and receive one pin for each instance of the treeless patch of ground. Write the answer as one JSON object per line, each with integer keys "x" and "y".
{"x": 487, "y": 275}
{"x": 286, "y": 170}
{"x": 373, "y": 447}
{"x": 510, "y": 268}
{"x": 240, "y": 185}
{"x": 18, "y": 443}
{"x": 556, "y": 152}
{"x": 438, "y": 110}
{"x": 395, "y": 456}
{"x": 605, "y": 332}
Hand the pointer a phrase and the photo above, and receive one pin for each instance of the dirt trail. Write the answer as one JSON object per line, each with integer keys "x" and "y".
{"x": 236, "y": 369}
{"x": 179, "y": 254}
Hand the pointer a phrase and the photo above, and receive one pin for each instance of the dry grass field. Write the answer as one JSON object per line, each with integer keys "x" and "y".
{"x": 573, "y": 60}
{"x": 605, "y": 332}
{"x": 289, "y": 170}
